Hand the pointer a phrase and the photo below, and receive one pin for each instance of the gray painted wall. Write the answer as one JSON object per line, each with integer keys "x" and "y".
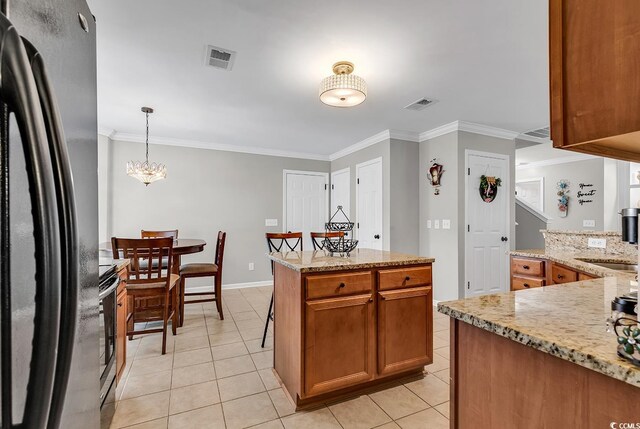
{"x": 405, "y": 204}
{"x": 378, "y": 150}
{"x": 528, "y": 235}
{"x": 205, "y": 191}
{"x": 441, "y": 244}
{"x": 448, "y": 246}
{"x": 588, "y": 171}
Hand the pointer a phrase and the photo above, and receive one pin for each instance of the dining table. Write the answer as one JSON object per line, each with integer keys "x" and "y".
{"x": 181, "y": 246}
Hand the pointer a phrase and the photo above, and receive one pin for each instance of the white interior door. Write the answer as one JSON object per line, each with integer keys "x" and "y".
{"x": 306, "y": 203}
{"x": 487, "y": 245}
{"x": 341, "y": 191}
{"x": 369, "y": 204}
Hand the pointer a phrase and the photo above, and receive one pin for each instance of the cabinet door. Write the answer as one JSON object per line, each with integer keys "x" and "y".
{"x": 339, "y": 348}
{"x": 405, "y": 329}
{"x": 121, "y": 333}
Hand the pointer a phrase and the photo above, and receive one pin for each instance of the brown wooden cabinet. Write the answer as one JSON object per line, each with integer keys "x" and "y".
{"x": 121, "y": 324}
{"x": 594, "y": 47}
{"x": 405, "y": 337}
{"x": 343, "y": 331}
{"x": 529, "y": 273}
{"x": 340, "y": 340}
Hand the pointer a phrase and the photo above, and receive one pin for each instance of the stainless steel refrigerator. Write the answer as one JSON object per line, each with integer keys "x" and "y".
{"x": 49, "y": 216}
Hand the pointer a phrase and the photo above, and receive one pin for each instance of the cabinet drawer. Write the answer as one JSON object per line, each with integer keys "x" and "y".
{"x": 337, "y": 285}
{"x": 529, "y": 267}
{"x": 521, "y": 283}
{"x": 404, "y": 277}
{"x": 585, "y": 276}
{"x": 560, "y": 274}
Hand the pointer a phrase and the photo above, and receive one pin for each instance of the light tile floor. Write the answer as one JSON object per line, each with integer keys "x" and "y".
{"x": 216, "y": 375}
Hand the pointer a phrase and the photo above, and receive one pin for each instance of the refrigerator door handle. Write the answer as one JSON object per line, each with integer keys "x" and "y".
{"x": 68, "y": 230}
{"x": 18, "y": 91}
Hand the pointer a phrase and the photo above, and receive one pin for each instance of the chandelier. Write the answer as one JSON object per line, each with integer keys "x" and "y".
{"x": 343, "y": 89}
{"x": 144, "y": 171}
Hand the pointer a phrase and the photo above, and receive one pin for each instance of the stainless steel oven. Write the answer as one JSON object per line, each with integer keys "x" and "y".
{"x": 108, "y": 288}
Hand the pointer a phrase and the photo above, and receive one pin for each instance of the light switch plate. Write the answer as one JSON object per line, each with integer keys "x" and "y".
{"x": 599, "y": 243}
{"x": 429, "y": 224}
{"x": 446, "y": 224}
{"x": 251, "y": 266}
{"x": 436, "y": 224}
{"x": 271, "y": 222}
{"x": 589, "y": 223}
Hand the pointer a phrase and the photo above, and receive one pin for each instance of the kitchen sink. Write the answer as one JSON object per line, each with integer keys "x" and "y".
{"x": 618, "y": 266}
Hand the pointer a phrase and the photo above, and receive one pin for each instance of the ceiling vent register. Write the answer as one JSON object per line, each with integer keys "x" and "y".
{"x": 541, "y": 133}
{"x": 220, "y": 58}
{"x": 421, "y": 104}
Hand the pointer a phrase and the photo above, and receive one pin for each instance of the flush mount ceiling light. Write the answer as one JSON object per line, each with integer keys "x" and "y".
{"x": 343, "y": 89}
{"x": 144, "y": 171}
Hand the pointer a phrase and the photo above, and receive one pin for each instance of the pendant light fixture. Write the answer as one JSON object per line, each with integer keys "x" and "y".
{"x": 343, "y": 89}
{"x": 144, "y": 171}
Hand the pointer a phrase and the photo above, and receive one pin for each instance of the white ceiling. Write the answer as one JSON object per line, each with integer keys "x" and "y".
{"x": 484, "y": 61}
{"x": 542, "y": 153}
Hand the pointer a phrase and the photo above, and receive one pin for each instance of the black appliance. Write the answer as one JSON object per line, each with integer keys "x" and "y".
{"x": 107, "y": 295}
{"x": 48, "y": 216}
{"x": 630, "y": 225}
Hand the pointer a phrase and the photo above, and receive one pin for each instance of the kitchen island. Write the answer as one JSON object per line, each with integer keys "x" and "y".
{"x": 541, "y": 357}
{"x": 344, "y": 324}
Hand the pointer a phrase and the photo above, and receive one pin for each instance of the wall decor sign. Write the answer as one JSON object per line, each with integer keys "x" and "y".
{"x": 585, "y": 193}
{"x": 489, "y": 187}
{"x": 563, "y": 197}
{"x": 435, "y": 175}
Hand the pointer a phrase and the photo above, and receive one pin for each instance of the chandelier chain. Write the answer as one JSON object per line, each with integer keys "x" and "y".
{"x": 147, "y": 139}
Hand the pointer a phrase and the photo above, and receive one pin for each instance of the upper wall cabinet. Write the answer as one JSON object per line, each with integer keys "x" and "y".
{"x": 594, "y": 48}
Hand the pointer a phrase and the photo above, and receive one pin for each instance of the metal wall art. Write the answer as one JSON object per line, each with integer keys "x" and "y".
{"x": 563, "y": 197}
{"x": 435, "y": 175}
{"x": 489, "y": 187}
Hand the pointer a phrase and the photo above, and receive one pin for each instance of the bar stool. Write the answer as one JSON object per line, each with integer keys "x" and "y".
{"x": 277, "y": 242}
{"x": 204, "y": 270}
{"x": 317, "y": 238}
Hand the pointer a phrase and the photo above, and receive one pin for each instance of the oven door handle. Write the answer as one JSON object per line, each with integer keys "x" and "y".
{"x": 18, "y": 91}
{"x": 68, "y": 230}
{"x": 109, "y": 290}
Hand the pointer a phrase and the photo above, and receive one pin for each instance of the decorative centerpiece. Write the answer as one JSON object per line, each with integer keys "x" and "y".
{"x": 628, "y": 339}
{"x": 340, "y": 244}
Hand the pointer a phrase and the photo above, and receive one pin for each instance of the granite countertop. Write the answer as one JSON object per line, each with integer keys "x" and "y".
{"x": 319, "y": 261}
{"x": 567, "y": 321}
{"x": 580, "y": 261}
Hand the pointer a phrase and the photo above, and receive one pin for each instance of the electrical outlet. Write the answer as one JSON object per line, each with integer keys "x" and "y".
{"x": 446, "y": 224}
{"x": 271, "y": 222}
{"x": 599, "y": 243}
{"x": 436, "y": 224}
{"x": 251, "y": 266}
{"x": 429, "y": 224}
{"x": 589, "y": 223}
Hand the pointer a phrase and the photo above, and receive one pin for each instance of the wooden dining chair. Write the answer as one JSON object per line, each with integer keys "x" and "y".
{"x": 151, "y": 290}
{"x": 317, "y": 238}
{"x": 280, "y": 242}
{"x": 173, "y": 233}
{"x": 204, "y": 270}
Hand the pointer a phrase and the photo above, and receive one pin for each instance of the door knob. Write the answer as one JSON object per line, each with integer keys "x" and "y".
{"x": 504, "y": 239}
{"x": 377, "y": 236}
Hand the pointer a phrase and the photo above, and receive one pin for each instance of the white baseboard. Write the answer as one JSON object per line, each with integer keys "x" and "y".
{"x": 231, "y": 286}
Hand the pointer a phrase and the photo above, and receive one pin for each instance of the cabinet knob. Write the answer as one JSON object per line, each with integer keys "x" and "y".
{"x": 560, "y": 276}
{"x": 341, "y": 285}
{"x": 370, "y": 299}
{"x": 525, "y": 267}
{"x": 382, "y": 297}
{"x": 406, "y": 279}
{"x": 119, "y": 304}
{"x": 526, "y": 285}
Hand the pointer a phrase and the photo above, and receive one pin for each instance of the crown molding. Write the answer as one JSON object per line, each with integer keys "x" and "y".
{"x": 556, "y": 161}
{"x": 107, "y": 132}
{"x": 381, "y": 136}
{"x": 439, "y": 131}
{"x": 409, "y": 136}
{"x": 486, "y": 130}
{"x": 138, "y": 138}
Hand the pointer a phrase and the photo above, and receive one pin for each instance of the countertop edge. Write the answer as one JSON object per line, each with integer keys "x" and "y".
{"x": 608, "y": 368}
{"x": 352, "y": 267}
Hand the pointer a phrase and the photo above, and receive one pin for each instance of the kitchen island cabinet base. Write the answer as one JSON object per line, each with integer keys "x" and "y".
{"x": 497, "y": 382}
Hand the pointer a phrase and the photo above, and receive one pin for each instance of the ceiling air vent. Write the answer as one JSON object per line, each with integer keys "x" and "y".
{"x": 220, "y": 58}
{"x": 423, "y": 103}
{"x": 540, "y": 133}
